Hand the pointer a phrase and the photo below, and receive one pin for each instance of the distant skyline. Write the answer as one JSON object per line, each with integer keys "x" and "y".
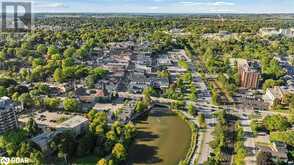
{"x": 163, "y": 6}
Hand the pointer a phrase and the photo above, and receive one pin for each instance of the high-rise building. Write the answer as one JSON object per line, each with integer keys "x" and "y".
{"x": 249, "y": 75}
{"x": 8, "y": 117}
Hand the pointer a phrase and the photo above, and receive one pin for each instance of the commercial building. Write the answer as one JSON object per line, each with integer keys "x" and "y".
{"x": 43, "y": 140}
{"x": 77, "y": 125}
{"x": 8, "y": 117}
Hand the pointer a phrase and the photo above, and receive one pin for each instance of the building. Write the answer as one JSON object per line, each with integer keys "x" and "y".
{"x": 249, "y": 74}
{"x": 287, "y": 32}
{"x": 138, "y": 82}
{"x": 161, "y": 83}
{"x": 77, "y": 125}
{"x": 280, "y": 151}
{"x": 42, "y": 140}
{"x": 8, "y": 117}
{"x": 269, "y": 32}
{"x": 273, "y": 94}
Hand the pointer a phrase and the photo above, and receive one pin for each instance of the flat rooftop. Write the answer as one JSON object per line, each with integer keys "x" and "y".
{"x": 73, "y": 122}
{"x": 49, "y": 119}
{"x": 111, "y": 107}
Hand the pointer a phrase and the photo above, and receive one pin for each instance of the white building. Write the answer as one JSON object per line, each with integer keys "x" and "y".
{"x": 269, "y": 32}
{"x": 273, "y": 94}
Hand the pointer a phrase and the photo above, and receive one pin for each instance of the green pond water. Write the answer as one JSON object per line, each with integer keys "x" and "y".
{"x": 162, "y": 139}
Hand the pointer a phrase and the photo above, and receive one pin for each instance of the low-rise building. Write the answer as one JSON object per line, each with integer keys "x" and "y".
{"x": 269, "y": 31}
{"x": 280, "y": 151}
{"x": 138, "y": 82}
{"x": 77, "y": 125}
{"x": 273, "y": 94}
{"x": 42, "y": 140}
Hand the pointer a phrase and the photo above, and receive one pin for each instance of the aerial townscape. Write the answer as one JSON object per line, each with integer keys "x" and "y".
{"x": 140, "y": 89}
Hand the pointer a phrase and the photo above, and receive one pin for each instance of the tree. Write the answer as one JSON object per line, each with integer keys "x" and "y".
{"x": 52, "y": 50}
{"x": 201, "y": 121}
{"x": 140, "y": 106}
{"x": 254, "y": 126}
{"x": 270, "y": 83}
{"x": 129, "y": 132}
{"x": 183, "y": 162}
{"x": 192, "y": 110}
{"x": 70, "y": 104}
{"x": 119, "y": 152}
{"x": 85, "y": 145}
{"x": 69, "y": 52}
{"x": 32, "y": 127}
{"x": 276, "y": 123}
{"x": 67, "y": 62}
{"x": 264, "y": 158}
{"x": 51, "y": 103}
{"x": 102, "y": 162}
{"x": 42, "y": 49}
{"x": 286, "y": 137}
{"x": 193, "y": 93}
{"x": 24, "y": 150}
{"x": 3, "y": 91}
{"x": 90, "y": 81}
{"x": 58, "y": 75}
{"x": 37, "y": 157}
{"x": 26, "y": 100}
{"x": 63, "y": 145}
{"x": 20, "y": 52}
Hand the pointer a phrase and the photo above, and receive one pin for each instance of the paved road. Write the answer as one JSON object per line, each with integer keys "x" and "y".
{"x": 249, "y": 142}
{"x": 205, "y": 107}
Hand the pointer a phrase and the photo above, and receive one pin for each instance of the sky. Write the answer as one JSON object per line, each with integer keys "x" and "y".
{"x": 163, "y": 6}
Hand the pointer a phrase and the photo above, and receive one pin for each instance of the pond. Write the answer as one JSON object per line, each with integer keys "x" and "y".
{"x": 162, "y": 139}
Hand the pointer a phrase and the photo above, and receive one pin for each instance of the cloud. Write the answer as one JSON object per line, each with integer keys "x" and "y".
{"x": 50, "y": 5}
{"x": 153, "y": 7}
{"x": 219, "y": 3}
{"x": 223, "y": 4}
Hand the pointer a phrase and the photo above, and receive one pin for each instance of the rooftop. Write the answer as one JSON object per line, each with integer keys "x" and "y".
{"x": 73, "y": 122}
{"x": 5, "y": 102}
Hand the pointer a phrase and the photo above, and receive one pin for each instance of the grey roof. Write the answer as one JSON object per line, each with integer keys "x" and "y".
{"x": 5, "y": 103}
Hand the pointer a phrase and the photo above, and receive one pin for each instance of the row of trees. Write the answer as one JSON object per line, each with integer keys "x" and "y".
{"x": 240, "y": 150}
{"x": 219, "y": 141}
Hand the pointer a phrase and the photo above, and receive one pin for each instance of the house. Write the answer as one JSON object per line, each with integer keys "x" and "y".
{"x": 161, "y": 83}
{"x": 273, "y": 94}
{"x": 280, "y": 151}
{"x": 164, "y": 61}
{"x": 138, "y": 82}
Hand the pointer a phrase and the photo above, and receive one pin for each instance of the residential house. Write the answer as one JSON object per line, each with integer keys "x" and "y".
{"x": 274, "y": 94}
{"x": 138, "y": 82}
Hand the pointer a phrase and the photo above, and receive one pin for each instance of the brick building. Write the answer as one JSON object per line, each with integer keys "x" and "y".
{"x": 249, "y": 74}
